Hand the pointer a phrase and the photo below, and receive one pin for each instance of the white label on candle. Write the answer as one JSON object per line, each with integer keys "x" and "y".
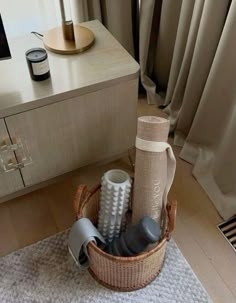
{"x": 40, "y": 68}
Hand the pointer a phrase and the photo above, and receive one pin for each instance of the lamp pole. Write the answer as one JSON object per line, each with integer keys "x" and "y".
{"x": 67, "y": 25}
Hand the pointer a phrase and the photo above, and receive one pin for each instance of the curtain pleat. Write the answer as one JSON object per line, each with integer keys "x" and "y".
{"x": 85, "y": 10}
{"x": 179, "y": 90}
{"x": 208, "y": 25}
{"x": 164, "y": 47}
{"x": 200, "y": 97}
{"x": 180, "y": 45}
{"x": 214, "y": 125}
{"x": 155, "y": 64}
{"x": 145, "y": 27}
{"x": 116, "y": 15}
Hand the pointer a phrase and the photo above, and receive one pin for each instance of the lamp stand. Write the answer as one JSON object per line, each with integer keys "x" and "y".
{"x": 69, "y": 38}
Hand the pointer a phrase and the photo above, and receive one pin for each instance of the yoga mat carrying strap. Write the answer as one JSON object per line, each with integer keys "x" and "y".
{"x": 159, "y": 147}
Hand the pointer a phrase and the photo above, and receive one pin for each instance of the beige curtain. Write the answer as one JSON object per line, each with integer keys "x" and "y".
{"x": 119, "y": 16}
{"x": 188, "y": 65}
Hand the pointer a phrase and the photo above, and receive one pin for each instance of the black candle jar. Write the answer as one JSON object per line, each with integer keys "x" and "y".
{"x": 37, "y": 60}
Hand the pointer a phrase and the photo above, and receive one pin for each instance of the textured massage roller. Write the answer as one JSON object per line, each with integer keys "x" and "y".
{"x": 114, "y": 200}
{"x": 154, "y": 170}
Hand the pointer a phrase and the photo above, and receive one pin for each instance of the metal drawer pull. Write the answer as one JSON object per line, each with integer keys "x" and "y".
{"x": 13, "y": 165}
{"x": 21, "y": 152}
{"x": 10, "y": 147}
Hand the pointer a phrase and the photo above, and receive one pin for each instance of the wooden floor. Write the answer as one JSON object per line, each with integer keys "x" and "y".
{"x": 37, "y": 215}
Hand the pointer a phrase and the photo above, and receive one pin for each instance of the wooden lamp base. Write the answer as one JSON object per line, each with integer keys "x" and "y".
{"x": 54, "y": 40}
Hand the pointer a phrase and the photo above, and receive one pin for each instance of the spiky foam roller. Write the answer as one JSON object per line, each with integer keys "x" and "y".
{"x": 114, "y": 200}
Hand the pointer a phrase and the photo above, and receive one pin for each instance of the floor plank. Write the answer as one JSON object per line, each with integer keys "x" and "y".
{"x": 31, "y": 218}
{"x": 201, "y": 264}
{"x": 216, "y": 249}
{"x": 8, "y": 237}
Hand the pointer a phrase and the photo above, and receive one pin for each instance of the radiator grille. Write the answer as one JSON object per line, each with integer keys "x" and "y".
{"x": 228, "y": 230}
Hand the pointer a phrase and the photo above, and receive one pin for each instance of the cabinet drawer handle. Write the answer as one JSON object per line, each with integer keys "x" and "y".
{"x": 12, "y": 165}
{"x": 21, "y": 152}
{"x": 5, "y": 147}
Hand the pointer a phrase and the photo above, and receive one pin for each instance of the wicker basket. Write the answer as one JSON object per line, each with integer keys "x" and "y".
{"x": 121, "y": 273}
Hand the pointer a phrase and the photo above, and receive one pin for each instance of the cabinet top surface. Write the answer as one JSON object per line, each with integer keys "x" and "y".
{"x": 104, "y": 64}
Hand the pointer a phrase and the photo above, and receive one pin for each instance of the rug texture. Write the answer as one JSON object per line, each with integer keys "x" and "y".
{"x": 44, "y": 272}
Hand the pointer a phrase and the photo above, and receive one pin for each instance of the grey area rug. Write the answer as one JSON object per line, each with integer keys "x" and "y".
{"x": 44, "y": 272}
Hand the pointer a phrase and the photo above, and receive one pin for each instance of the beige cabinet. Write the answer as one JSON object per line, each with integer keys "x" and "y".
{"x": 10, "y": 177}
{"x": 75, "y": 132}
{"x": 84, "y": 113}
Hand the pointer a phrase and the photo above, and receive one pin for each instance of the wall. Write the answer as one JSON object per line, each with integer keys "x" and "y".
{"x": 23, "y": 16}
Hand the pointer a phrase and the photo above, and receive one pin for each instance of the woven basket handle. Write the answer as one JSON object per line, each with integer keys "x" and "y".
{"x": 82, "y": 196}
{"x": 171, "y": 211}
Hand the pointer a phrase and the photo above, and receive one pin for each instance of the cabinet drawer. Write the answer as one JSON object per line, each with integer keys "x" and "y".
{"x": 75, "y": 132}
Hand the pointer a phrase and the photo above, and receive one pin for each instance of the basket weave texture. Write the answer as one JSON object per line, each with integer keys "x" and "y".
{"x": 121, "y": 273}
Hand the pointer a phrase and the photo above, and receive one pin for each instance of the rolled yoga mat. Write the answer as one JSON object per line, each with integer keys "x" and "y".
{"x": 154, "y": 169}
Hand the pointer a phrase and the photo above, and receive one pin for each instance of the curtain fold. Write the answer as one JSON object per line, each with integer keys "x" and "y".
{"x": 203, "y": 40}
{"x": 155, "y": 50}
{"x": 214, "y": 125}
{"x": 200, "y": 94}
{"x": 117, "y": 15}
